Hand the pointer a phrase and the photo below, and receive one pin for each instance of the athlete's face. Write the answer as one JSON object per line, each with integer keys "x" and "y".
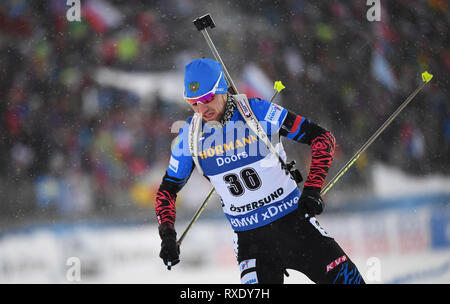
{"x": 213, "y": 110}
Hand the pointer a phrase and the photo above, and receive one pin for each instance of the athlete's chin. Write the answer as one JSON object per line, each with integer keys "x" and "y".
{"x": 211, "y": 117}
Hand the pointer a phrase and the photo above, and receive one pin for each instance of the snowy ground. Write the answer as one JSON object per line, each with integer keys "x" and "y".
{"x": 425, "y": 268}
{"x": 130, "y": 255}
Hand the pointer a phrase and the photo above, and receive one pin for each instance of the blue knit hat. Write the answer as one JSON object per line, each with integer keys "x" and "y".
{"x": 204, "y": 76}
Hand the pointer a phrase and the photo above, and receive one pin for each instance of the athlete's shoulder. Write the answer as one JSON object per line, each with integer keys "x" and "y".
{"x": 259, "y": 105}
{"x": 180, "y": 142}
{"x": 180, "y": 164}
{"x": 182, "y": 126}
{"x": 266, "y": 110}
{"x": 256, "y": 101}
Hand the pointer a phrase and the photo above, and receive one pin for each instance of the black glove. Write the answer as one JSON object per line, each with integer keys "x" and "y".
{"x": 170, "y": 251}
{"x": 310, "y": 202}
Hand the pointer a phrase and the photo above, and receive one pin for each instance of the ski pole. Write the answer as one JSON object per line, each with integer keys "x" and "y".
{"x": 196, "y": 216}
{"x": 201, "y": 23}
{"x": 426, "y": 77}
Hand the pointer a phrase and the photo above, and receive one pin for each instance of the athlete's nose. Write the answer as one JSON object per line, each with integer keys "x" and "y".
{"x": 202, "y": 108}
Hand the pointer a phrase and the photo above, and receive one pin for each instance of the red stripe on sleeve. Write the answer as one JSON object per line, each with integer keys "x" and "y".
{"x": 297, "y": 121}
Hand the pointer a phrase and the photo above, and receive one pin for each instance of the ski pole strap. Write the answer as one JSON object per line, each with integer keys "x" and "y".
{"x": 194, "y": 134}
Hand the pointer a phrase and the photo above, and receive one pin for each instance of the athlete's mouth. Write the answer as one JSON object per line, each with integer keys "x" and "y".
{"x": 208, "y": 115}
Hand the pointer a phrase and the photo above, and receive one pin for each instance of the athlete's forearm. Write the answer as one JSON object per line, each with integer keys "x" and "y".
{"x": 165, "y": 207}
{"x": 165, "y": 200}
{"x": 322, "y": 144}
{"x": 322, "y": 148}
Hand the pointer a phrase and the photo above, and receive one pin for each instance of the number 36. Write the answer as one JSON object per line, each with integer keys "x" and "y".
{"x": 250, "y": 178}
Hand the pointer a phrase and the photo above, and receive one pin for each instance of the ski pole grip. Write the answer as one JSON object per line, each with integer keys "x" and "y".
{"x": 203, "y": 22}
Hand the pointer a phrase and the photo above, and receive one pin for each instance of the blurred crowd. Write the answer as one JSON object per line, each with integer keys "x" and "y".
{"x": 70, "y": 146}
